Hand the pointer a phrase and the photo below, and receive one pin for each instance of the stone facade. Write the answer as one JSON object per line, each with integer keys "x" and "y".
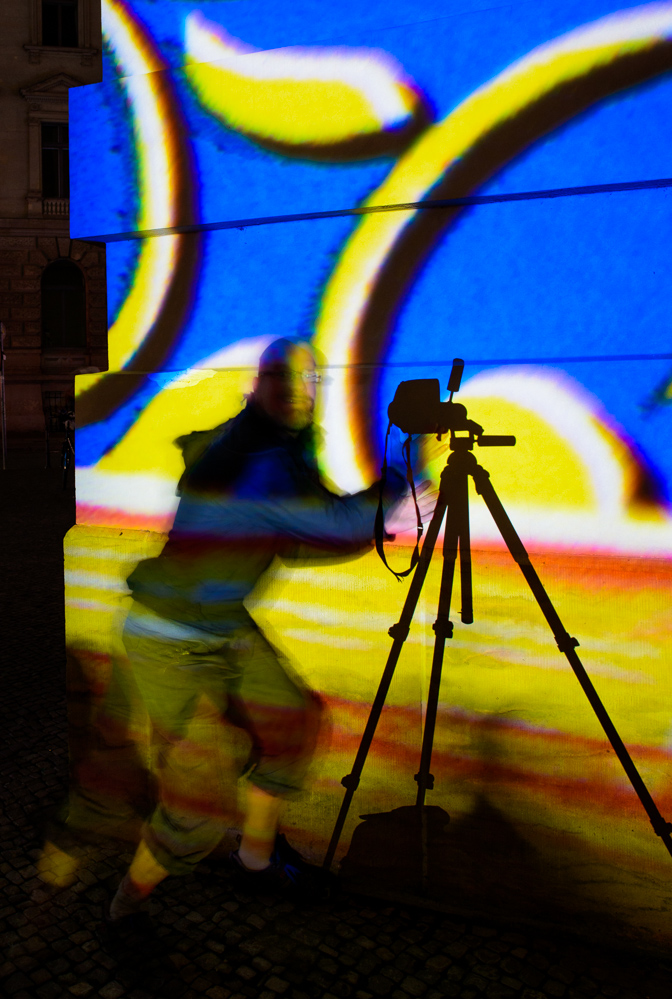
{"x": 34, "y": 229}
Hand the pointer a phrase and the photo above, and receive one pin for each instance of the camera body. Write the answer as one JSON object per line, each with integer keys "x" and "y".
{"x": 417, "y": 409}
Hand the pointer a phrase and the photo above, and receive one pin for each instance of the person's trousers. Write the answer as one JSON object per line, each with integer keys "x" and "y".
{"x": 241, "y": 679}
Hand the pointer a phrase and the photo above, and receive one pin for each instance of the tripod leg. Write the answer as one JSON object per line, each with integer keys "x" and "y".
{"x": 467, "y": 609}
{"x": 454, "y": 483}
{"x": 443, "y": 629}
{"x": 398, "y": 632}
{"x": 567, "y": 645}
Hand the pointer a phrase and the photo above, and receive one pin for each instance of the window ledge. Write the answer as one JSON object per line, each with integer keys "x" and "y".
{"x": 64, "y": 359}
{"x": 35, "y": 52}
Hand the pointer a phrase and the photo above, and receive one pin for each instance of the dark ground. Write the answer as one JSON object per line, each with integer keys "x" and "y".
{"x": 215, "y": 941}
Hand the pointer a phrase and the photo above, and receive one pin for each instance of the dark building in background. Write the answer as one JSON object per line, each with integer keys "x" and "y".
{"x": 52, "y": 288}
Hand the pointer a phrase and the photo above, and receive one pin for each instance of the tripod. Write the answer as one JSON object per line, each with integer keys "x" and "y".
{"x": 453, "y": 503}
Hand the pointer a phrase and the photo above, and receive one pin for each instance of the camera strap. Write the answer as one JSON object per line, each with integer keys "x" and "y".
{"x": 379, "y": 530}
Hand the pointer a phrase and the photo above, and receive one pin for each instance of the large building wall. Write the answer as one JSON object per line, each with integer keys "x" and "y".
{"x": 34, "y": 230}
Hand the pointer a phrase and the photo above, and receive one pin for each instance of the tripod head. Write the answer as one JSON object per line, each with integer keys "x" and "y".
{"x": 417, "y": 409}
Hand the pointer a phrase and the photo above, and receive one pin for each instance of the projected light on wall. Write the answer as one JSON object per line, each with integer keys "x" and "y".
{"x": 315, "y": 101}
{"x": 268, "y": 174}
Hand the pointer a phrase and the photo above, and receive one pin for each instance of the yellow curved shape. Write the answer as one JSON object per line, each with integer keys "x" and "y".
{"x": 566, "y": 456}
{"x": 559, "y": 481}
{"x": 155, "y": 143}
{"x": 317, "y": 96}
{"x": 443, "y": 145}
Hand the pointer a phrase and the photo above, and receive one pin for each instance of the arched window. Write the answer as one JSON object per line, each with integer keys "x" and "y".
{"x": 63, "y": 306}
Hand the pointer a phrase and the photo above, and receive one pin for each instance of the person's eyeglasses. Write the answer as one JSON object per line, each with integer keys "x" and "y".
{"x": 285, "y": 375}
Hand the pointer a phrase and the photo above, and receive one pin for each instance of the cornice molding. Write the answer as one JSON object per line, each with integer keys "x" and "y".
{"x": 34, "y": 227}
{"x": 53, "y": 88}
{"x": 49, "y": 97}
{"x": 36, "y": 52}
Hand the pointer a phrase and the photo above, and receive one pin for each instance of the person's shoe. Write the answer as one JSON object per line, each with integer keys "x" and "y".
{"x": 288, "y": 874}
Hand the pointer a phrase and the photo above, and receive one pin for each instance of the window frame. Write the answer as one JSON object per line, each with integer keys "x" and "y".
{"x": 59, "y": 348}
{"x": 86, "y": 33}
{"x": 47, "y": 104}
{"x": 59, "y": 4}
{"x": 62, "y": 162}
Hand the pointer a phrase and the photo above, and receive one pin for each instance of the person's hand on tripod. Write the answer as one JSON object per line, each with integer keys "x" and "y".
{"x": 402, "y": 517}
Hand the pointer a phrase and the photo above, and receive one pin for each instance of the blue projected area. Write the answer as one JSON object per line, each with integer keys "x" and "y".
{"x": 214, "y": 114}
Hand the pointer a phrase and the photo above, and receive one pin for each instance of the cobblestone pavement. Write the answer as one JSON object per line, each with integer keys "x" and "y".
{"x": 211, "y": 940}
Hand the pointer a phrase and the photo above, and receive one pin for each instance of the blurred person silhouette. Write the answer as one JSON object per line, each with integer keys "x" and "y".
{"x": 251, "y": 490}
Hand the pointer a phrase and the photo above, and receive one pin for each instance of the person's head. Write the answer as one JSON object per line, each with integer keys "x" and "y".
{"x": 286, "y": 384}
